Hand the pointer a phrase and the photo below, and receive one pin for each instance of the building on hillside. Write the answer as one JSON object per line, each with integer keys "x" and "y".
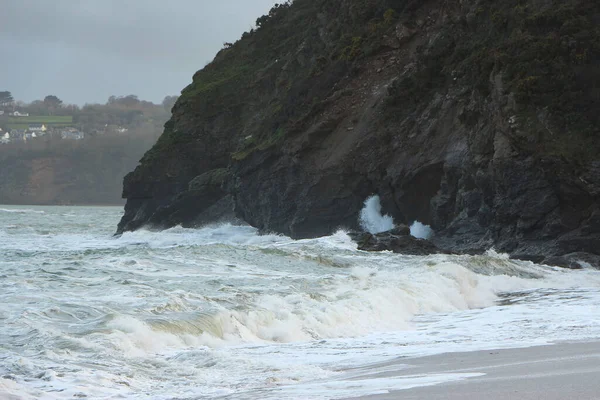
{"x": 1, "y": 112}
{"x": 19, "y": 114}
{"x": 37, "y": 128}
{"x": 5, "y": 138}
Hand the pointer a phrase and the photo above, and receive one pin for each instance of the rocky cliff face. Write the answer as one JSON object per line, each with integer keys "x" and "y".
{"x": 477, "y": 117}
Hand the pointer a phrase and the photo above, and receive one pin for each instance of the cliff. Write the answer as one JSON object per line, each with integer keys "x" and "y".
{"x": 478, "y": 117}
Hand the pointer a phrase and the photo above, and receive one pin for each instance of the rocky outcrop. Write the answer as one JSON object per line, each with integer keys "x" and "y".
{"x": 474, "y": 117}
{"x": 397, "y": 240}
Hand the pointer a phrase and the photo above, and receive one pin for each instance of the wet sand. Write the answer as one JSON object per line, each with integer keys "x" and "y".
{"x": 556, "y": 372}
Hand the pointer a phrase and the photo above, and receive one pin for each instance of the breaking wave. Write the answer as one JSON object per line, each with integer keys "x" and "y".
{"x": 21, "y": 211}
{"x": 421, "y": 231}
{"x": 371, "y": 219}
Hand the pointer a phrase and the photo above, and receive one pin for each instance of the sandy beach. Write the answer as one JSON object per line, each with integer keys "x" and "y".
{"x": 559, "y": 371}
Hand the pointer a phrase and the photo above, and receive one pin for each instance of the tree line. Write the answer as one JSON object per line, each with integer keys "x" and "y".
{"x": 119, "y": 112}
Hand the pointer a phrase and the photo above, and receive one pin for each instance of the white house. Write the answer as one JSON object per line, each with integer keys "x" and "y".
{"x": 5, "y": 138}
{"x": 1, "y": 112}
{"x": 19, "y": 114}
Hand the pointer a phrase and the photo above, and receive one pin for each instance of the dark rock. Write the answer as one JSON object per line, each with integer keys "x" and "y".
{"x": 214, "y": 178}
{"x": 205, "y": 201}
{"x": 578, "y": 260}
{"x": 400, "y": 230}
{"x": 563, "y": 262}
{"x": 397, "y": 240}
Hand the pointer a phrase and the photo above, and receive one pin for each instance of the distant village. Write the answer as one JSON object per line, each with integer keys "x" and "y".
{"x": 50, "y": 119}
{"x": 27, "y": 130}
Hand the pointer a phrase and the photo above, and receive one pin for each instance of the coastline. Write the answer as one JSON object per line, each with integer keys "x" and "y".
{"x": 549, "y": 372}
{"x": 66, "y": 205}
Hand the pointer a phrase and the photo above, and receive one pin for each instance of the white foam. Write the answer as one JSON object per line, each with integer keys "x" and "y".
{"x": 421, "y": 231}
{"x": 223, "y": 311}
{"x": 21, "y": 211}
{"x": 371, "y": 219}
{"x": 352, "y": 388}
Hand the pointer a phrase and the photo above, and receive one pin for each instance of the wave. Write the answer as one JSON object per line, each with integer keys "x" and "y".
{"x": 366, "y": 300}
{"x": 225, "y": 233}
{"x": 21, "y": 211}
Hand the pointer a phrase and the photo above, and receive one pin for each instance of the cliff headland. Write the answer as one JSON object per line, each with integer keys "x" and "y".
{"x": 479, "y": 118}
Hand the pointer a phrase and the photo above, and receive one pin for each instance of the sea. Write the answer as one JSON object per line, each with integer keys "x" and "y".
{"x": 224, "y": 312}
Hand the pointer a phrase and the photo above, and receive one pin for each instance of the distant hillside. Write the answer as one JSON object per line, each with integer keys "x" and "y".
{"x": 52, "y": 153}
{"x": 59, "y": 171}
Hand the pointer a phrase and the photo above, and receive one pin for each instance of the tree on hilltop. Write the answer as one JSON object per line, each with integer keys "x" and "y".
{"x": 125, "y": 101}
{"x": 6, "y": 98}
{"x": 52, "y": 101}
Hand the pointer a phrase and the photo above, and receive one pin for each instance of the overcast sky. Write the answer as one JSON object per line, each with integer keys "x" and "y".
{"x": 87, "y": 50}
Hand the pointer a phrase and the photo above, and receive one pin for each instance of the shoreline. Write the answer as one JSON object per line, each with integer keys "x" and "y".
{"x": 64, "y": 205}
{"x": 550, "y": 372}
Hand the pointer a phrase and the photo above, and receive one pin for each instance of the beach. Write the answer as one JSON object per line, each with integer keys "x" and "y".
{"x": 560, "y": 371}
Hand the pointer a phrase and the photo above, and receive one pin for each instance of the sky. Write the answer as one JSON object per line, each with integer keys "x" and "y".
{"x": 84, "y": 51}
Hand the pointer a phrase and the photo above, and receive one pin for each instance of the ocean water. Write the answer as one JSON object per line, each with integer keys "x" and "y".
{"x": 222, "y": 312}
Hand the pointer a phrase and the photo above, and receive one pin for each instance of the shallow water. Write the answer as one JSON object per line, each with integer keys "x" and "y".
{"x": 223, "y": 312}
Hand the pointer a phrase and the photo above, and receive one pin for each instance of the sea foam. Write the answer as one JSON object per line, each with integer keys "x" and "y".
{"x": 421, "y": 231}
{"x": 371, "y": 219}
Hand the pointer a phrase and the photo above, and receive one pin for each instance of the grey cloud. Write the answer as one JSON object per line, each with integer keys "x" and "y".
{"x": 86, "y": 50}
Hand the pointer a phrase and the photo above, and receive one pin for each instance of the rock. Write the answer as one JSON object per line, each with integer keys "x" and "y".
{"x": 400, "y": 230}
{"x": 214, "y": 178}
{"x": 397, "y": 240}
{"x": 406, "y": 245}
{"x": 404, "y": 34}
{"x": 205, "y": 201}
{"x": 563, "y": 262}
